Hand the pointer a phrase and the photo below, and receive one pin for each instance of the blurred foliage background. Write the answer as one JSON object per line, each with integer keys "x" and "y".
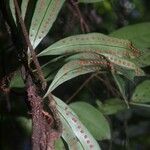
{"x": 130, "y": 128}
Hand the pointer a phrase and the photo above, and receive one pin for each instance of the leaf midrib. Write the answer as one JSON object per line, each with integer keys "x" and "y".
{"x": 41, "y": 22}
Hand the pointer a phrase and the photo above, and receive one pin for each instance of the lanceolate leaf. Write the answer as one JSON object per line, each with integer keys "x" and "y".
{"x": 75, "y": 68}
{"x": 94, "y": 120}
{"x": 85, "y": 55}
{"x": 45, "y": 14}
{"x": 92, "y": 42}
{"x": 121, "y": 66}
{"x": 24, "y": 5}
{"x": 121, "y": 62}
{"x": 83, "y": 63}
{"x": 12, "y": 8}
{"x": 74, "y": 71}
{"x": 124, "y": 63}
{"x": 69, "y": 136}
{"x": 142, "y": 93}
{"x": 115, "y": 50}
{"x": 139, "y": 34}
{"x": 121, "y": 85}
{"x": 82, "y": 134}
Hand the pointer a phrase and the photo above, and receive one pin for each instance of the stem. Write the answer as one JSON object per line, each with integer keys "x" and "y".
{"x": 35, "y": 95}
{"x": 137, "y": 104}
{"x": 108, "y": 85}
{"x": 27, "y": 40}
{"x": 83, "y": 24}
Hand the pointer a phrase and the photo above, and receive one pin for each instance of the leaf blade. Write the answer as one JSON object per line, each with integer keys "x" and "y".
{"x": 47, "y": 12}
{"x": 95, "y": 122}
{"x": 111, "y": 106}
{"x": 75, "y": 68}
{"x": 142, "y": 93}
{"x": 92, "y": 42}
{"x": 139, "y": 34}
{"x": 83, "y": 135}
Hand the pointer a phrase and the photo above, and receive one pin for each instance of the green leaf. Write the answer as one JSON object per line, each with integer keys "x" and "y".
{"x": 91, "y": 42}
{"x": 17, "y": 81}
{"x": 26, "y": 124}
{"x": 45, "y": 14}
{"x": 142, "y": 93}
{"x": 92, "y": 119}
{"x": 73, "y": 69}
{"x": 24, "y": 5}
{"x": 125, "y": 66}
{"x": 86, "y": 63}
{"x": 12, "y": 9}
{"x": 82, "y": 134}
{"x": 111, "y": 106}
{"x": 59, "y": 144}
{"x": 51, "y": 67}
{"x": 121, "y": 83}
{"x": 115, "y": 50}
{"x": 89, "y": 1}
{"x": 120, "y": 64}
{"x": 69, "y": 136}
{"x": 139, "y": 34}
{"x": 144, "y": 59}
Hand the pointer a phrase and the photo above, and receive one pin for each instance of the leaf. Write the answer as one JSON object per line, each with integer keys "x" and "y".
{"x": 144, "y": 59}
{"x": 89, "y": 1}
{"x": 92, "y": 119}
{"x": 139, "y": 34}
{"x": 91, "y": 42}
{"x": 12, "y": 8}
{"x": 142, "y": 93}
{"x": 26, "y": 124}
{"x": 59, "y": 144}
{"x": 86, "y": 63}
{"x": 125, "y": 64}
{"x": 84, "y": 56}
{"x": 24, "y": 5}
{"x": 82, "y": 134}
{"x": 121, "y": 86}
{"x": 99, "y": 44}
{"x": 69, "y": 136}
{"x": 17, "y": 81}
{"x": 45, "y": 14}
{"x": 51, "y": 67}
{"x": 111, "y": 106}
{"x": 122, "y": 63}
{"x": 73, "y": 69}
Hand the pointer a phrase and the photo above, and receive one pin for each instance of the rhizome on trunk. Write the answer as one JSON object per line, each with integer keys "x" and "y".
{"x": 46, "y": 125}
